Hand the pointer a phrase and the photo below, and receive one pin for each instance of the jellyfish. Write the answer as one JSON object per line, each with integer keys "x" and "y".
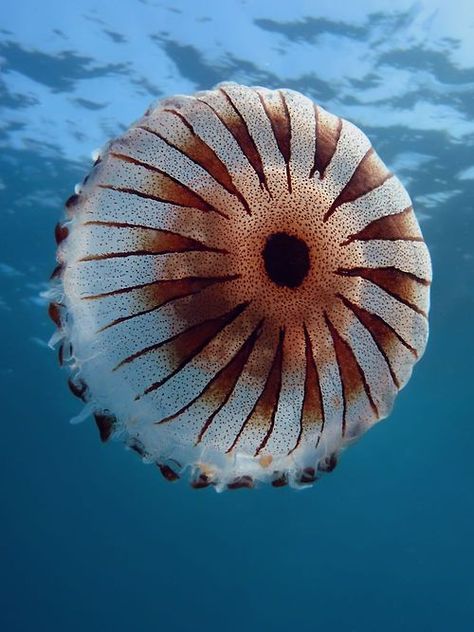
{"x": 242, "y": 287}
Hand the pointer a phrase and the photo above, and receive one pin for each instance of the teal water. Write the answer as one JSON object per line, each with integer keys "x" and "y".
{"x": 90, "y": 538}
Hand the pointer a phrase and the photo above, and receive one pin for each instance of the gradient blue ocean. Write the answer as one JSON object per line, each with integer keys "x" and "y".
{"x": 91, "y": 539}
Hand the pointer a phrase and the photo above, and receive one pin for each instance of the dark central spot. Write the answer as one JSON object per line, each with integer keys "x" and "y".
{"x": 286, "y": 259}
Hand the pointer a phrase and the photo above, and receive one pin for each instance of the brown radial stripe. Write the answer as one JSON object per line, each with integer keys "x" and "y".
{"x": 169, "y": 188}
{"x": 187, "y": 344}
{"x": 153, "y": 198}
{"x": 389, "y": 333}
{"x": 400, "y": 285}
{"x": 369, "y": 174}
{"x": 280, "y": 122}
{"x": 162, "y": 284}
{"x": 312, "y": 411}
{"x": 201, "y": 154}
{"x": 352, "y": 377}
{"x": 221, "y": 387}
{"x": 327, "y": 137}
{"x": 238, "y": 128}
{"x": 398, "y": 226}
{"x": 159, "y": 293}
{"x": 264, "y": 411}
{"x": 382, "y": 334}
{"x": 156, "y": 241}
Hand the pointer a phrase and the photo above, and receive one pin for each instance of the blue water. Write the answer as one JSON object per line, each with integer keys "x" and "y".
{"x": 92, "y": 539}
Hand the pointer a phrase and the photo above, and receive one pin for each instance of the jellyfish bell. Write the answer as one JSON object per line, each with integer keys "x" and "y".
{"x": 242, "y": 287}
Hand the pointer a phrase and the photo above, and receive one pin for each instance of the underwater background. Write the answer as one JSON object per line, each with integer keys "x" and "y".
{"x": 92, "y": 538}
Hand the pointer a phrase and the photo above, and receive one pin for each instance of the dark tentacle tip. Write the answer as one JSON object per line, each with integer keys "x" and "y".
{"x": 202, "y": 481}
{"x": 78, "y": 388}
{"x": 328, "y": 464}
{"x": 169, "y": 474}
{"x": 54, "y": 312}
{"x": 60, "y": 232}
{"x": 65, "y": 354}
{"x": 56, "y": 273}
{"x": 105, "y": 423}
{"x": 61, "y": 354}
{"x": 280, "y": 481}
{"x": 137, "y": 446}
{"x": 72, "y": 201}
{"x": 307, "y": 476}
{"x": 241, "y": 482}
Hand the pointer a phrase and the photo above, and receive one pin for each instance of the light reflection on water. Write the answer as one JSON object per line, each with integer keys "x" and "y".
{"x": 385, "y": 542}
